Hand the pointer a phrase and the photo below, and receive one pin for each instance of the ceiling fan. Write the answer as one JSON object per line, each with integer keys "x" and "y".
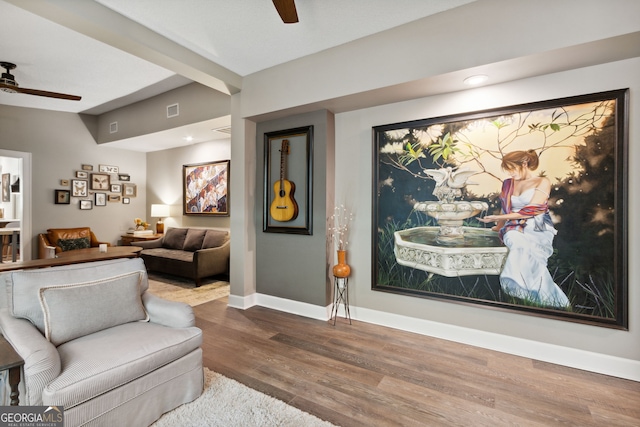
{"x": 287, "y": 10}
{"x": 8, "y": 84}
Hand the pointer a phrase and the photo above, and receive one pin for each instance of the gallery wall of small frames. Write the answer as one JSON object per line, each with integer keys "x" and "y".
{"x": 96, "y": 187}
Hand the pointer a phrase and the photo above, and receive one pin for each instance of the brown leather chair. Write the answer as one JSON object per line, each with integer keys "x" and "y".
{"x": 57, "y": 240}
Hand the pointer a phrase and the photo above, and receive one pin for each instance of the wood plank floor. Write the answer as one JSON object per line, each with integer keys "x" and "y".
{"x": 368, "y": 375}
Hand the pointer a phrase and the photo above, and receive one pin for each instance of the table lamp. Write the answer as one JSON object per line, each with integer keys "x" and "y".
{"x": 159, "y": 211}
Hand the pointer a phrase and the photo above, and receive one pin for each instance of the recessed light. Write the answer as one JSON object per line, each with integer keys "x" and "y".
{"x": 476, "y": 80}
{"x": 188, "y": 138}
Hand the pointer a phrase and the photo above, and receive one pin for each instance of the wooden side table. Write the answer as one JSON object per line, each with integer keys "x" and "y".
{"x": 11, "y": 361}
{"x": 128, "y": 239}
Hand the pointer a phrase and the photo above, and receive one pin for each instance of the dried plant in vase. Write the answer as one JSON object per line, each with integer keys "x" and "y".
{"x": 338, "y": 233}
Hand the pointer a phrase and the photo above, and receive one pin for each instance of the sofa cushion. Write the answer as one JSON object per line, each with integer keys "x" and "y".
{"x": 193, "y": 241}
{"x": 73, "y": 244}
{"x": 214, "y": 239}
{"x": 172, "y": 254}
{"x": 97, "y": 363}
{"x": 174, "y": 238}
{"x": 24, "y": 286}
{"x": 76, "y": 310}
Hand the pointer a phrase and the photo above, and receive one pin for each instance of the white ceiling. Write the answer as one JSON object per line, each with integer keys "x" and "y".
{"x": 78, "y": 46}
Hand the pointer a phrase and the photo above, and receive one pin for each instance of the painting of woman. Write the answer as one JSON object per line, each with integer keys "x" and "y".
{"x": 526, "y": 229}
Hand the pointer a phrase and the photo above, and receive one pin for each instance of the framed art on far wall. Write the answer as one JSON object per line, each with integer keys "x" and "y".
{"x": 206, "y": 188}
{"x": 129, "y": 190}
{"x": 101, "y": 199}
{"x": 62, "y": 197}
{"x": 288, "y": 181}
{"x": 6, "y": 194}
{"x": 79, "y": 187}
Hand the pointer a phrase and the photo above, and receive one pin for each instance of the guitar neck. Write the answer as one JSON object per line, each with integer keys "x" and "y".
{"x": 284, "y": 150}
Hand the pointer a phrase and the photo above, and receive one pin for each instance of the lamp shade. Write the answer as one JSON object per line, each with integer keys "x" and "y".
{"x": 160, "y": 211}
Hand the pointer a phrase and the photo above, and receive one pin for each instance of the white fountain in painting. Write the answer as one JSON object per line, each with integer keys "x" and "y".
{"x": 450, "y": 249}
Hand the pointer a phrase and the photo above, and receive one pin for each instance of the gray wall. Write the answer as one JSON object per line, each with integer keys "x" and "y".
{"x": 293, "y": 266}
{"x": 164, "y": 181}
{"x": 60, "y": 144}
{"x": 196, "y": 103}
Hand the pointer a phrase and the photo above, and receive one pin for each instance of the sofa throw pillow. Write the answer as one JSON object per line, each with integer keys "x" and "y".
{"x": 79, "y": 309}
{"x": 72, "y": 244}
{"x": 214, "y": 239}
{"x": 194, "y": 239}
{"x": 174, "y": 238}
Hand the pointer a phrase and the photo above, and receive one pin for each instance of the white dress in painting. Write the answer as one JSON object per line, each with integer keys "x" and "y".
{"x": 525, "y": 274}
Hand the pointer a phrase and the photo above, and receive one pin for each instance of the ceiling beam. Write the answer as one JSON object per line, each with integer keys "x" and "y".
{"x": 103, "y": 24}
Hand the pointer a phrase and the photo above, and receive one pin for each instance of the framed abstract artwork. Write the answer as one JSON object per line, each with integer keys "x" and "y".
{"x": 205, "y": 188}
{"x": 522, "y": 208}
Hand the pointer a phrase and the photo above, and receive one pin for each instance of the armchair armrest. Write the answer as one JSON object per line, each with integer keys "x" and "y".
{"x": 149, "y": 244}
{"x": 94, "y": 242}
{"x": 168, "y": 313}
{"x": 45, "y": 249}
{"x": 41, "y": 359}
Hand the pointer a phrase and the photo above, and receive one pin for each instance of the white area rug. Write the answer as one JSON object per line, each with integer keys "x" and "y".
{"x": 227, "y": 403}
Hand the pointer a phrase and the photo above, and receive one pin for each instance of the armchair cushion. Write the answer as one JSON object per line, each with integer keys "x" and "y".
{"x": 72, "y": 244}
{"x": 24, "y": 287}
{"x": 76, "y": 310}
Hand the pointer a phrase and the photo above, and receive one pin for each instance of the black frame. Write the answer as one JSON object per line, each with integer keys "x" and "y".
{"x": 299, "y": 163}
{"x": 215, "y": 186}
{"x": 62, "y": 197}
{"x": 609, "y": 135}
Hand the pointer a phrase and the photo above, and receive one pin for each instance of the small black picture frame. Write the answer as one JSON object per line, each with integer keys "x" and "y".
{"x": 86, "y": 205}
{"x": 62, "y": 197}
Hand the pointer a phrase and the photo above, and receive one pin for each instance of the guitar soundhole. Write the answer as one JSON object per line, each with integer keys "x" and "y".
{"x": 282, "y": 193}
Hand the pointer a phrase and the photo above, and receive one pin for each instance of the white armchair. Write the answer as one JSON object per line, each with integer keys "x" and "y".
{"x": 95, "y": 342}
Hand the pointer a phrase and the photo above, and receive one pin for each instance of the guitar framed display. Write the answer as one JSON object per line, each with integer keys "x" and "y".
{"x": 288, "y": 181}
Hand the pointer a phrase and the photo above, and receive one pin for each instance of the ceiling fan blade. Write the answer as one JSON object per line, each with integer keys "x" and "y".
{"x": 11, "y": 88}
{"x": 287, "y": 10}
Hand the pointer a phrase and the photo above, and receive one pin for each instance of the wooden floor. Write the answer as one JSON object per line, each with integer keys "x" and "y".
{"x": 367, "y": 375}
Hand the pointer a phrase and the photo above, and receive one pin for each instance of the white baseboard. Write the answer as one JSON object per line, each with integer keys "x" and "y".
{"x": 565, "y": 356}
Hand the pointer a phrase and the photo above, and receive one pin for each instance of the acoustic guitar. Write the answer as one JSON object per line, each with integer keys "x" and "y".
{"x": 284, "y": 207}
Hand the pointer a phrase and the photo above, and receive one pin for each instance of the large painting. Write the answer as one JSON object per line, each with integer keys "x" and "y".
{"x": 522, "y": 208}
{"x": 206, "y": 188}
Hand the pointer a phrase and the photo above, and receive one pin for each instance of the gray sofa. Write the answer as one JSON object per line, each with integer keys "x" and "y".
{"x": 96, "y": 343}
{"x": 194, "y": 253}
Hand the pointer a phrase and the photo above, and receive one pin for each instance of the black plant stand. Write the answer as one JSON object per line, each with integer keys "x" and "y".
{"x": 341, "y": 295}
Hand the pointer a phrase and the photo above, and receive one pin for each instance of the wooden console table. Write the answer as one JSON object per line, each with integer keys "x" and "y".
{"x": 76, "y": 257}
{"x": 127, "y": 239}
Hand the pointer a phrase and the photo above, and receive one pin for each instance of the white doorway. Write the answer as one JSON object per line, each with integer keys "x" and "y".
{"x": 15, "y": 200}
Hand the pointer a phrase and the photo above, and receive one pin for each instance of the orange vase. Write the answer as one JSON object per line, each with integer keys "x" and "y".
{"x": 341, "y": 269}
